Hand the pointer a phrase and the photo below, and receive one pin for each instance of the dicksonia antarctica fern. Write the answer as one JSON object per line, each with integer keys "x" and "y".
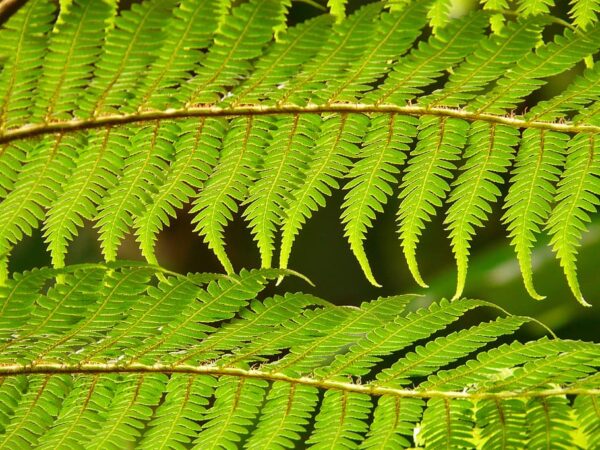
{"x": 122, "y": 117}
{"x": 128, "y": 354}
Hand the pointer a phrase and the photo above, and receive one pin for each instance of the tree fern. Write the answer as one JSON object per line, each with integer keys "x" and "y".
{"x": 122, "y": 117}
{"x": 133, "y": 355}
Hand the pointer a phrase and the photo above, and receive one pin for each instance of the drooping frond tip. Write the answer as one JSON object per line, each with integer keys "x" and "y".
{"x": 117, "y": 356}
{"x": 124, "y": 117}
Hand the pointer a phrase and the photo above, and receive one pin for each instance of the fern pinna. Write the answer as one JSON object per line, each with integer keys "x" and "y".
{"x": 96, "y": 356}
{"x": 123, "y": 116}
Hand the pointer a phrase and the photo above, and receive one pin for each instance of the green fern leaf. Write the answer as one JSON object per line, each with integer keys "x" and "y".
{"x": 276, "y": 430}
{"x": 74, "y": 47}
{"x": 349, "y": 411}
{"x": 102, "y": 108}
{"x": 150, "y": 149}
{"x": 237, "y": 404}
{"x": 427, "y": 62}
{"x": 424, "y": 185}
{"x": 337, "y": 8}
{"x": 36, "y": 410}
{"x": 584, "y": 12}
{"x": 305, "y": 358}
{"x": 126, "y": 364}
{"x": 47, "y": 166}
{"x": 131, "y": 406}
{"x": 229, "y": 182}
{"x": 11, "y": 156}
{"x": 98, "y": 163}
{"x": 279, "y": 177}
{"x": 187, "y": 33}
{"x": 583, "y": 91}
{"x": 384, "y": 150}
{"x": 531, "y": 193}
{"x": 439, "y": 13}
{"x": 586, "y": 413}
{"x": 185, "y": 402}
{"x": 19, "y": 295}
{"x": 534, "y": 7}
{"x": 284, "y": 61}
{"x": 503, "y": 424}
{"x": 347, "y": 41}
{"x": 577, "y": 195}
{"x": 24, "y": 42}
{"x": 329, "y": 162}
{"x": 394, "y": 423}
{"x": 240, "y": 38}
{"x": 393, "y": 36}
{"x": 489, "y": 153}
{"x": 425, "y": 360}
{"x": 529, "y": 73}
{"x": 127, "y": 52}
{"x": 195, "y": 156}
{"x": 486, "y": 64}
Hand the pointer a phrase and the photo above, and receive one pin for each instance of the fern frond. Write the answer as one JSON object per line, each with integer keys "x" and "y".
{"x": 128, "y": 354}
{"x": 584, "y": 12}
{"x": 587, "y": 411}
{"x": 394, "y": 423}
{"x": 393, "y": 36}
{"x": 99, "y": 162}
{"x": 337, "y": 8}
{"x": 280, "y": 175}
{"x": 195, "y": 156}
{"x": 420, "y": 68}
{"x": 11, "y": 156}
{"x": 503, "y": 424}
{"x": 188, "y": 32}
{"x": 237, "y": 404}
{"x": 174, "y": 422}
{"x": 150, "y": 149}
{"x": 489, "y": 153}
{"x": 127, "y": 52}
{"x": 487, "y": 63}
{"x": 305, "y": 358}
{"x": 576, "y": 197}
{"x": 534, "y": 7}
{"x": 349, "y": 411}
{"x": 329, "y": 162}
{"x": 228, "y": 184}
{"x": 277, "y": 430}
{"x": 125, "y": 116}
{"x": 436, "y": 354}
{"x": 283, "y": 62}
{"x": 48, "y": 164}
{"x": 439, "y": 13}
{"x": 529, "y": 72}
{"x": 424, "y": 185}
{"x": 240, "y": 38}
{"x": 347, "y": 41}
{"x": 24, "y": 42}
{"x": 74, "y": 47}
{"x": 529, "y": 198}
{"x": 384, "y": 151}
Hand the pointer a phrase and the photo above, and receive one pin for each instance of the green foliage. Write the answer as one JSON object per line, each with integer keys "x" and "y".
{"x": 130, "y": 354}
{"x": 137, "y": 113}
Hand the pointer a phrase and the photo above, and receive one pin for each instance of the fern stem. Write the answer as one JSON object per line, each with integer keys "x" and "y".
{"x": 74, "y": 125}
{"x": 50, "y": 368}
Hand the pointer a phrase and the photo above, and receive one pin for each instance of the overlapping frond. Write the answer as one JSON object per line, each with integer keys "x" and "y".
{"x": 129, "y": 354}
{"x": 137, "y": 113}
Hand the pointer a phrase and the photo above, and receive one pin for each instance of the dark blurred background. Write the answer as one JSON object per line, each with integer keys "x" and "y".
{"x": 322, "y": 254}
